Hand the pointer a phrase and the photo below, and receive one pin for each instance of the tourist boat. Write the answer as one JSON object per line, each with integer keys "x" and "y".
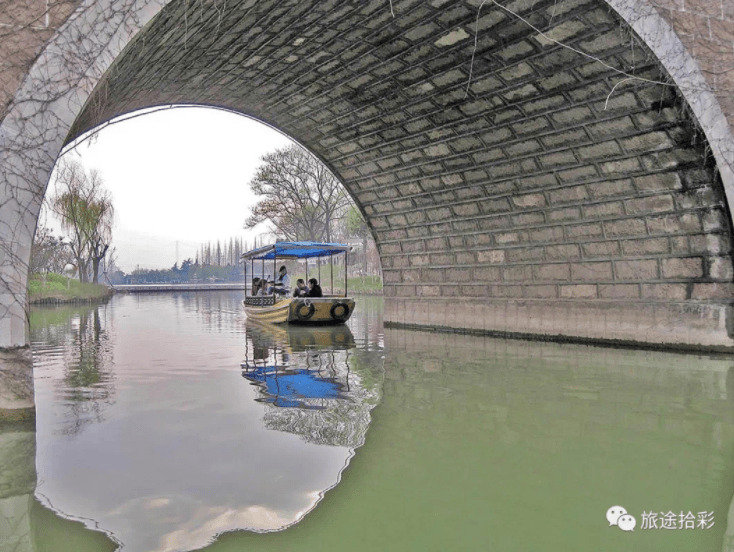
{"x": 281, "y": 309}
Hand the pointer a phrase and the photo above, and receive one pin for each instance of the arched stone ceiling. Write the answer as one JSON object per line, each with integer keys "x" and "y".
{"x": 546, "y": 179}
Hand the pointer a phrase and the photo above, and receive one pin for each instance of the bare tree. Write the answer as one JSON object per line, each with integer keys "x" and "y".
{"x": 300, "y": 196}
{"x": 86, "y": 212}
{"x": 48, "y": 253}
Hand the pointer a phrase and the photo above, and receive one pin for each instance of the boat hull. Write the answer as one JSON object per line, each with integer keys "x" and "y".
{"x": 273, "y": 314}
{"x": 320, "y": 310}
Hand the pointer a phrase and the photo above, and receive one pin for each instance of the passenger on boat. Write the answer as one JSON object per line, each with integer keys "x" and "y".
{"x": 300, "y": 290}
{"x": 257, "y": 287}
{"x": 314, "y": 288}
{"x": 282, "y": 284}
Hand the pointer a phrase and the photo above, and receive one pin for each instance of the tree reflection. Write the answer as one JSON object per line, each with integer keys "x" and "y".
{"x": 80, "y": 337}
{"x": 313, "y": 382}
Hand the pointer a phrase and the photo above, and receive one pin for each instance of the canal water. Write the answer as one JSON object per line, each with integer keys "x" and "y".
{"x": 168, "y": 423}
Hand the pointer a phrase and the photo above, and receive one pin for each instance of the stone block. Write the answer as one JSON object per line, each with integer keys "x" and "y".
{"x": 487, "y": 274}
{"x": 673, "y": 224}
{"x": 495, "y": 205}
{"x": 645, "y": 246}
{"x": 656, "y": 182}
{"x": 664, "y": 292}
{"x": 625, "y": 227}
{"x": 435, "y": 275}
{"x": 528, "y": 219}
{"x": 503, "y": 238}
{"x": 540, "y": 292}
{"x": 714, "y": 221}
{"x": 709, "y": 291}
{"x": 543, "y": 104}
{"x": 599, "y": 151}
{"x": 579, "y": 291}
{"x": 565, "y": 251}
{"x": 441, "y": 213}
{"x": 415, "y": 217}
{"x": 521, "y": 254}
{"x": 619, "y": 291}
{"x": 427, "y": 291}
{"x": 683, "y": 267}
{"x": 567, "y": 213}
{"x": 419, "y": 260}
{"x": 517, "y": 273}
{"x": 591, "y": 272}
{"x": 530, "y": 126}
{"x": 529, "y": 200}
{"x": 614, "y": 127}
{"x": 710, "y": 243}
{"x": 620, "y": 167}
{"x": 567, "y": 138}
{"x": 646, "y": 269}
{"x": 491, "y": 256}
{"x": 573, "y": 116}
{"x": 650, "y": 204}
{"x": 568, "y": 195}
{"x": 603, "y": 210}
{"x": 506, "y": 291}
{"x": 443, "y": 259}
{"x": 720, "y": 268}
{"x": 522, "y": 148}
{"x": 555, "y": 271}
{"x": 651, "y": 141}
{"x": 584, "y": 231}
{"x": 458, "y": 275}
{"x": 466, "y": 209}
{"x": 536, "y": 181}
{"x": 546, "y": 234}
{"x": 600, "y": 249}
{"x": 557, "y": 159}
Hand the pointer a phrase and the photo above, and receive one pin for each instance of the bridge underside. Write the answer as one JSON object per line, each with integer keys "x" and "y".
{"x": 512, "y": 184}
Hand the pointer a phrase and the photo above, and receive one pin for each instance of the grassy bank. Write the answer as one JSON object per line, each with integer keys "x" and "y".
{"x": 59, "y": 289}
{"x": 370, "y": 285}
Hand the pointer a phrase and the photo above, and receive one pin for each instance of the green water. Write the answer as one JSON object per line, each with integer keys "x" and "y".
{"x": 149, "y": 431}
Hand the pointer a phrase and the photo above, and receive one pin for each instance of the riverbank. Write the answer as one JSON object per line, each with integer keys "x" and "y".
{"x": 55, "y": 289}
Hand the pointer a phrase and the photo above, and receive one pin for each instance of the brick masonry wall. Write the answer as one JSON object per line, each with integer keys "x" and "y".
{"x": 546, "y": 177}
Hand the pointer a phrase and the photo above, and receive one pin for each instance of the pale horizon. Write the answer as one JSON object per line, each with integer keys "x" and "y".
{"x": 176, "y": 175}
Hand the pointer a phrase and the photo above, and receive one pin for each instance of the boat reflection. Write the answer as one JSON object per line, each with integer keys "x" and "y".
{"x": 305, "y": 375}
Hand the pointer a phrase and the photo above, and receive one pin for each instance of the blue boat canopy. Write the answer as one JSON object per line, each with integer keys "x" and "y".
{"x": 296, "y": 250}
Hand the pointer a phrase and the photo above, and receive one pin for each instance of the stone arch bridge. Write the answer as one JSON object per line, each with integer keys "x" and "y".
{"x": 554, "y": 168}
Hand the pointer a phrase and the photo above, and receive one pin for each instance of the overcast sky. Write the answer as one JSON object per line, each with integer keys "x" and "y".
{"x": 177, "y": 175}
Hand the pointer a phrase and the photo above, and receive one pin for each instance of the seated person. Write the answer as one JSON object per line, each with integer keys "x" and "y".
{"x": 314, "y": 288}
{"x": 257, "y": 287}
{"x": 282, "y": 284}
{"x": 301, "y": 290}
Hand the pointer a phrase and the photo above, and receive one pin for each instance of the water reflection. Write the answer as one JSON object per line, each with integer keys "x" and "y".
{"x": 311, "y": 380}
{"x": 148, "y": 431}
{"x": 77, "y": 343}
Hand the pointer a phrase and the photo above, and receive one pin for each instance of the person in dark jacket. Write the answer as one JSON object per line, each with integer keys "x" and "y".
{"x": 314, "y": 288}
{"x": 300, "y": 290}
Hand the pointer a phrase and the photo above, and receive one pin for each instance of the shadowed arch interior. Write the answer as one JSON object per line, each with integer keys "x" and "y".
{"x": 530, "y": 187}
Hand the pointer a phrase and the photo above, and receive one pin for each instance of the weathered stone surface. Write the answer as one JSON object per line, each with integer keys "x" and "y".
{"x": 536, "y": 167}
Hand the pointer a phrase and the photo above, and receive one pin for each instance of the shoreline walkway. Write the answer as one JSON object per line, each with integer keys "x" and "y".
{"x": 142, "y": 288}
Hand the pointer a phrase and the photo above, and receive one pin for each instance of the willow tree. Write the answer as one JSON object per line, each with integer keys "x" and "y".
{"x": 86, "y": 212}
{"x": 299, "y": 195}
